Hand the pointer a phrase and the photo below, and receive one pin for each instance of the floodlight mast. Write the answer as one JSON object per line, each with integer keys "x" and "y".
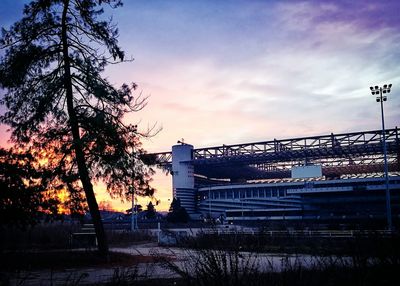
{"x": 381, "y": 98}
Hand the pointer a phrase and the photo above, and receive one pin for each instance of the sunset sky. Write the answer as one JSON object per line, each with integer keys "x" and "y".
{"x": 226, "y": 72}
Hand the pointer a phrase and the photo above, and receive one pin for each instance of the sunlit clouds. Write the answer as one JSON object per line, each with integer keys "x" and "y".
{"x": 225, "y": 72}
{"x": 257, "y": 70}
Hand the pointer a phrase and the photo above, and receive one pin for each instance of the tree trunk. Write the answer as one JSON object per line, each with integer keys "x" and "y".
{"x": 77, "y": 144}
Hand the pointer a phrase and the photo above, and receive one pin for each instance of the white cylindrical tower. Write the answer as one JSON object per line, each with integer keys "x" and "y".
{"x": 182, "y": 176}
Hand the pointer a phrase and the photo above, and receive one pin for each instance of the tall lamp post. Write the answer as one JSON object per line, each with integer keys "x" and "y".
{"x": 134, "y": 224}
{"x": 381, "y": 97}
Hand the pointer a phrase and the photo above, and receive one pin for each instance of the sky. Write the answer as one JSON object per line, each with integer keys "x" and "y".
{"x": 227, "y": 72}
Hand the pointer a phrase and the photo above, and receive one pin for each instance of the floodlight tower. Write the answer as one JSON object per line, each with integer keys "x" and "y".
{"x": 380, "y": 91}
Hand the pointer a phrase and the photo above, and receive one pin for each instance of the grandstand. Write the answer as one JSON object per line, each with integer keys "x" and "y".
{"x": 328, "y": 178}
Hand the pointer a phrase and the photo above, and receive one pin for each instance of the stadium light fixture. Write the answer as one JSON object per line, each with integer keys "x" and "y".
{"x": 381, "y": 98}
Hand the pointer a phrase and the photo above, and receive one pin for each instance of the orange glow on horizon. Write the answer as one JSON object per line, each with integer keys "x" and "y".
{"x": 163, "y": 194}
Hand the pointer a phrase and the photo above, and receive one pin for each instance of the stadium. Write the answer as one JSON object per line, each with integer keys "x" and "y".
{"x": 334, "y": 178}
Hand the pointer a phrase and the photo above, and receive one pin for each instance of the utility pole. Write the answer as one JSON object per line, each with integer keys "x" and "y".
{"x": 134, "y": 224}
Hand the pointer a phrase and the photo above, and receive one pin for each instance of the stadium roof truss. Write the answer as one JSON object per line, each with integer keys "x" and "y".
{"x": 339, "y": 154}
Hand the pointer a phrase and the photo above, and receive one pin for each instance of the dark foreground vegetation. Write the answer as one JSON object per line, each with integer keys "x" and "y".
{"x": 212, "y": 270}
{"x": 231, "y": 268}
{"x": 59, "y": 236}
{"x": 371, "y": 244}
{"x": 242, "y": 259}
{"x": 58, "y": 260}
{"x": 209, "y": 259}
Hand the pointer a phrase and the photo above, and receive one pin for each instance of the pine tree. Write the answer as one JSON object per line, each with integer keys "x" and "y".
{"x": 24, "y": 198}
{"x": 60, "y": 106}
{"x": 151, "y": 211}
{"x": 177, "y": 213}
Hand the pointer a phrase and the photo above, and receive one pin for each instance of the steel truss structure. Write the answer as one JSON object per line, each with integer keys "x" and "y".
{"x": 351, "y": 154}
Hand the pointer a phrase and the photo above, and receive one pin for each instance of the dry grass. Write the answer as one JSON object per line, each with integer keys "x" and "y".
{"x": 11, "y": 261}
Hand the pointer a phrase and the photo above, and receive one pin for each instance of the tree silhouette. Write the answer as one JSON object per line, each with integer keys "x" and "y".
{"x": 60, "y": 106}
{"x": 177, "y": 213}
{"x": 151, "y": 211}
{"x": 24, "y": 197}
